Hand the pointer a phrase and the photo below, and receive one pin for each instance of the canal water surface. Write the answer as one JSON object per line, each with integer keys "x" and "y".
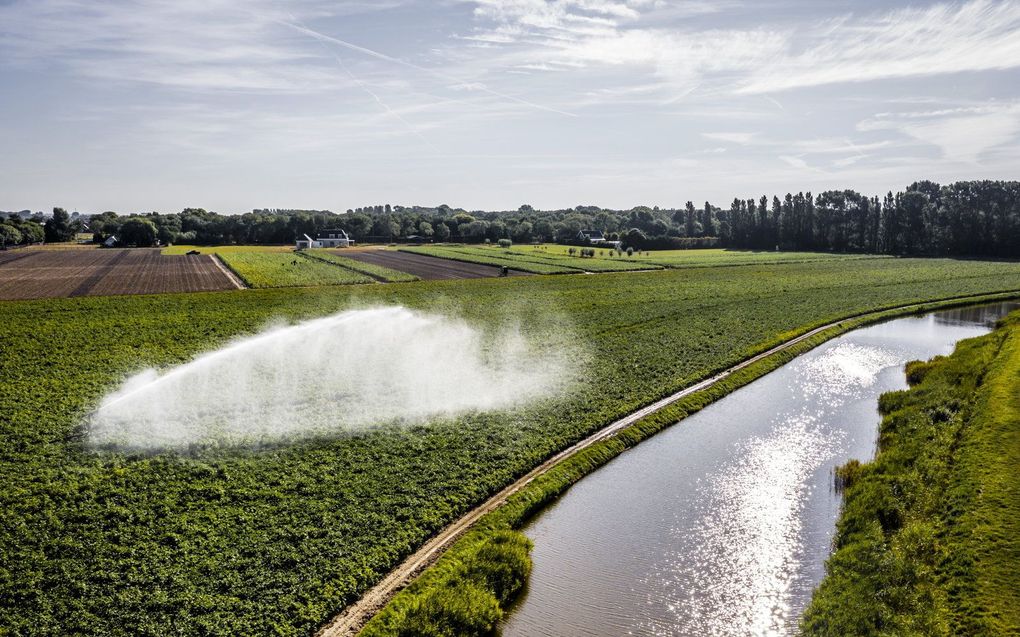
{"x": 721, "y": 525}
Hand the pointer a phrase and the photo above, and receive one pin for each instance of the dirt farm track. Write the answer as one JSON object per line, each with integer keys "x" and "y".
{"x": 36, "y": 274}
{"x": 425, "y": 267}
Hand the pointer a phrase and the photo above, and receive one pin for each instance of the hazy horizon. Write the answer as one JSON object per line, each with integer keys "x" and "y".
{"x": 491, "y": 104}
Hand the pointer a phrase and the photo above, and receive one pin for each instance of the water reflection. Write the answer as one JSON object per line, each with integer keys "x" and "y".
{"x": 734, "y": 566}
{"x": 721, "y": 526}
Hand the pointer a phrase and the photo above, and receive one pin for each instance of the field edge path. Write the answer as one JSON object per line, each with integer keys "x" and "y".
{"x": 353, "y": 618}
{"x": 237, "y": 281}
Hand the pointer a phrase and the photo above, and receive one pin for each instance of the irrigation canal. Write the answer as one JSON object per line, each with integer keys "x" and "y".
{"x": 722, "y": 525}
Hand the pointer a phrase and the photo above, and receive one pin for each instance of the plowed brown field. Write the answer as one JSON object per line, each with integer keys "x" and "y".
{"x": 36, "y": 274}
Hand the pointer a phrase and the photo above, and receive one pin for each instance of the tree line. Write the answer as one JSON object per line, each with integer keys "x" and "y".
{"x": 979, "y": 218}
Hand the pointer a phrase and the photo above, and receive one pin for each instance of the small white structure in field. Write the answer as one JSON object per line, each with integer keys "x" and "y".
{"x": 327, "y": 239}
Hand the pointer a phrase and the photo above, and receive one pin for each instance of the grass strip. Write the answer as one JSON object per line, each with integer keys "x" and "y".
{"x": 275, "y": 270}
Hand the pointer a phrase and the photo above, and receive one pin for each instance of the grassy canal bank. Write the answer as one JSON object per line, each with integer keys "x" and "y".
{"x": 928, "y": 542}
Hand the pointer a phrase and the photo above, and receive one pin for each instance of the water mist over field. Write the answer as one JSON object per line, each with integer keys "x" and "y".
{"x": 340, "y": 373}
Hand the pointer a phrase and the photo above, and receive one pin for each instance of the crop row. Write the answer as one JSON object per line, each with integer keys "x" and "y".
{"x": 496, "y": 259}
{"x": 276, "y": 539}
{"x": 376, "y": 271}
{"x": 514, "y": 257}
{"x": 36, "y": 273}
{"x": 275, "y": 270}
{"x": 719, "y": 257}
{"x": 583, "y": 264}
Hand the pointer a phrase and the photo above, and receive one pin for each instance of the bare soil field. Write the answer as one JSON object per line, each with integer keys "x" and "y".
{"x": 35, "y": 274}
{"x": 425, "y": 267}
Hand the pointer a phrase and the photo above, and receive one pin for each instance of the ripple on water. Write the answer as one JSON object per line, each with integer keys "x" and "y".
{"x": 731, "y": 571}
{"x": 842, "y": 372}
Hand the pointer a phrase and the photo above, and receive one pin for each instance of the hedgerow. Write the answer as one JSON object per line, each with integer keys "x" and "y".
{"x": 277, "y": 539}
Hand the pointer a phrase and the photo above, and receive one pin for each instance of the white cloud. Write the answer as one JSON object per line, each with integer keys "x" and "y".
{"x": 735, "y": 138}
{"x": 962, "y": 134}
{"x": 944, "y": 38}
{"x": 795, "y": 162}
{"x": 190, "y": 44}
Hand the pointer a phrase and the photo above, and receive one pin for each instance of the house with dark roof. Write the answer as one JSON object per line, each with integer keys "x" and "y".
{"x": 336, "y": 238}
{"x": 591, "y": 236}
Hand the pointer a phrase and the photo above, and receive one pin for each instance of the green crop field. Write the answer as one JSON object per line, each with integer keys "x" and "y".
{"x": 558, "y": 259}
{"x": 377, "y": 271}
{"x": 277, "y": 270}
{"x": 698, "y": 258}
{"x": 929, "y": 537}
{"x": 715, "y": 257}
{"x": 278, "y": 538}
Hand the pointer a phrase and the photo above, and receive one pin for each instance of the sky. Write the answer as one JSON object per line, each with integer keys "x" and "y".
{"x": 490, "y": 104}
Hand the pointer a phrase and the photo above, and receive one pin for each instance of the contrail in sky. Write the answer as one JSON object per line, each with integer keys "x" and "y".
{"x": 382, "y": 56}
{"x": 386, "y": 107}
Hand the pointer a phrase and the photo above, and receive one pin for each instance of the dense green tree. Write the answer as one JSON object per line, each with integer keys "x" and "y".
{"x": 9, "y": 235}
{"x": 139, "y": 232}
{"x": 523, "y": 232}
{"x": 58, "y": 227}
{"x": 442, "y": 232}
{"x": 634, "y": 239}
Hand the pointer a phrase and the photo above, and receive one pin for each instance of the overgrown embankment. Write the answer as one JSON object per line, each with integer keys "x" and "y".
{"x": 928, "y": 542}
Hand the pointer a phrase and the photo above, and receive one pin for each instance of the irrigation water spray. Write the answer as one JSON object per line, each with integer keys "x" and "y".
{"x": 341, "y": 373}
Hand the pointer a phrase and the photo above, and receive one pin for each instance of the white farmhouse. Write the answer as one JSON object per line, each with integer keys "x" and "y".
{"x": 336, "y": 238}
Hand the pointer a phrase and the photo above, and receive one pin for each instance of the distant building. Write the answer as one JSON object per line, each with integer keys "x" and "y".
{"x": 336, "y": 238}
{"x": 596, "y": 238}
{"x": 591, "y": 236}
{"x": 111, "y": 241}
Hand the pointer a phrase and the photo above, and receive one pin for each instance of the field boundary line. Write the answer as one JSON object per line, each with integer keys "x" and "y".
{"x": 463, "y": 258}
{"x": 374, "y": 277}
{"x": 353, "y": 618}
{"x": 230, "y": 274}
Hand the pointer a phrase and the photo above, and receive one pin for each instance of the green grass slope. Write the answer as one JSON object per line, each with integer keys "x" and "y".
{"x": 268, "y": 269}
{"x": 276, "y": 540}
{"x": 929, "y": 539}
